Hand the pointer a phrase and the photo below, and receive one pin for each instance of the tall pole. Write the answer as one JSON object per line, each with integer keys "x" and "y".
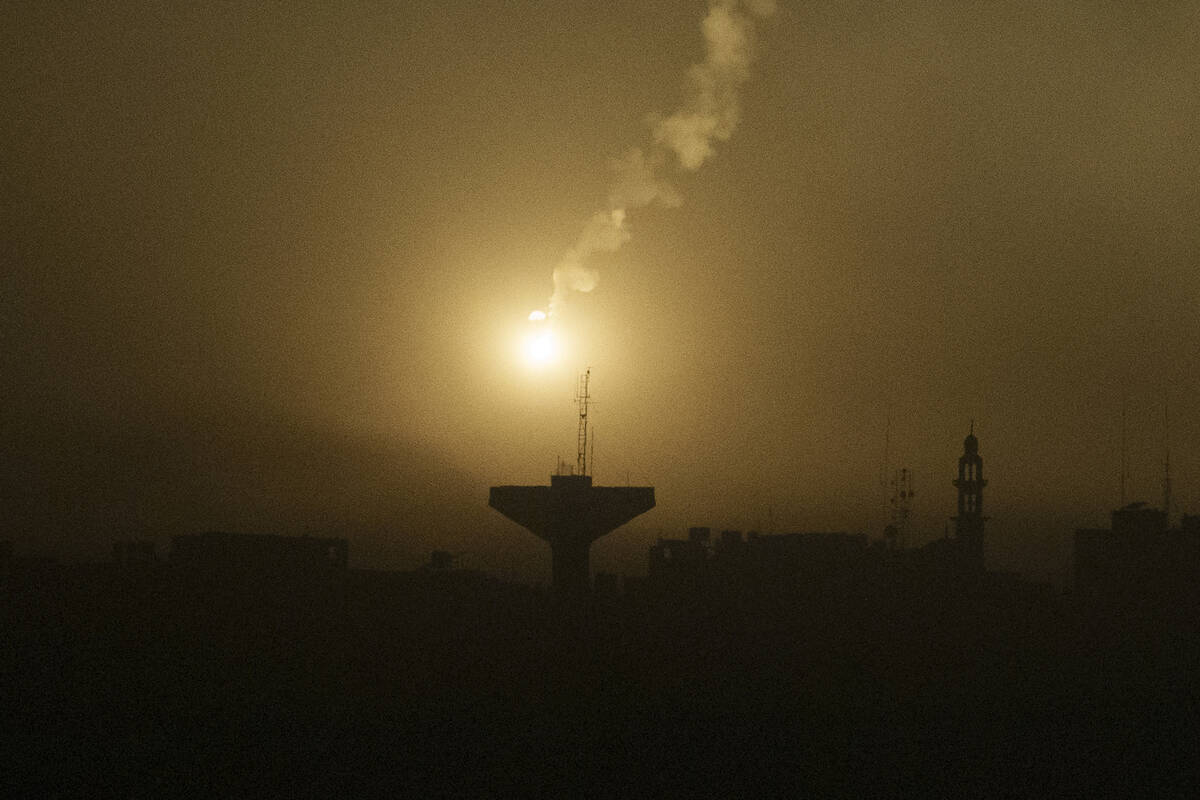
{"x": 582, "y": 397}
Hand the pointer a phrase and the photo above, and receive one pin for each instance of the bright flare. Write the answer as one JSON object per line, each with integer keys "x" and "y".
{"x": 537, "y": 316}
{"x": 540, "y": 348}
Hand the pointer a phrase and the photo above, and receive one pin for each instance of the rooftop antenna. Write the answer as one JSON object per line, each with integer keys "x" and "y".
{"x": 581, "y": 397}
{"x": 901, "y": 503}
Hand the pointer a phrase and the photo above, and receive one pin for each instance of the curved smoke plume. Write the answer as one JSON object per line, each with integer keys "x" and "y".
{"x": 709, "y": 114}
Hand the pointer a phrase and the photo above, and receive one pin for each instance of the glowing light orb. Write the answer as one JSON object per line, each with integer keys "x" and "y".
{"x": 537, "y": 316}
{"x": 540, "y": 348}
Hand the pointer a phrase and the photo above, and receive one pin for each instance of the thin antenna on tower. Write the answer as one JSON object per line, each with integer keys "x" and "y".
{"x": 581, "y": 397}
{"x": 901, "y": 503}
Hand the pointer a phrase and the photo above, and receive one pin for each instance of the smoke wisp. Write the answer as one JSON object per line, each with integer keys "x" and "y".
{"x": 708, "y": 114}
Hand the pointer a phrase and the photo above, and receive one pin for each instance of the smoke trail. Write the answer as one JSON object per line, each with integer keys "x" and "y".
{"x": 708, "y": 114}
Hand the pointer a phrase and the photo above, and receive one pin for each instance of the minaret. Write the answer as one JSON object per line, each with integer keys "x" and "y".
{"x": 968, "y": 525}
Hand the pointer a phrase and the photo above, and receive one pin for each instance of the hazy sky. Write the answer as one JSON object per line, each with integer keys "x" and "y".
{"x": 267, "y": 267}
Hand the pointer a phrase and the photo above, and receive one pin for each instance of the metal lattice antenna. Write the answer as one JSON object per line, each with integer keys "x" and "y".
{"x": 581, "y": 397}
{"x": 901, "y": 503}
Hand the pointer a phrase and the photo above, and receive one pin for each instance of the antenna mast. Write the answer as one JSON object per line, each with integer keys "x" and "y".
{"x": 581, "y": 397}
{"x": 901, "y": 502}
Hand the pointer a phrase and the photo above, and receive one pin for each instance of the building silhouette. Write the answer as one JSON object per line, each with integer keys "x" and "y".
{"x": 258, "y": 552}
{"x": 1140, "y": 558}
{"x": 756, "y": 559}
{"x": 570, "y": 514}
{"x": 815, "y": 559}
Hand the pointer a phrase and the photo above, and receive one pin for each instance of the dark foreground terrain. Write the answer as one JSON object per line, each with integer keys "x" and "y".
{"x": 147, "y": 681}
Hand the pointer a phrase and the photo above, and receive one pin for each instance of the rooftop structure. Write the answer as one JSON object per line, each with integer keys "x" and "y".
{"x": 255, "y": 551}
{"x": 1139, "y": 557}
{"x": 571, "y": 513}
